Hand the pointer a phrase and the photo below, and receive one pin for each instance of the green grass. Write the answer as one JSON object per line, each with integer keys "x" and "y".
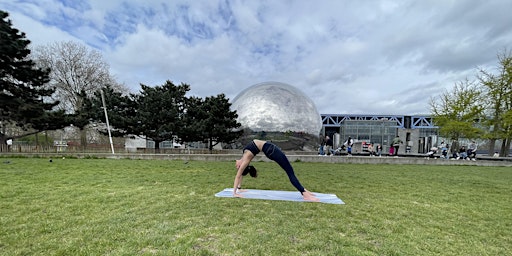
{"x": 158, "y": 207}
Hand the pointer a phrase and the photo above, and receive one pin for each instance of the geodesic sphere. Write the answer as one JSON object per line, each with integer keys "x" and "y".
{"x": 277, "y": 107}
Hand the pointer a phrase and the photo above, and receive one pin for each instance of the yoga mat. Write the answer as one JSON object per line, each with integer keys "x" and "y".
{"x": 280, "y": 195}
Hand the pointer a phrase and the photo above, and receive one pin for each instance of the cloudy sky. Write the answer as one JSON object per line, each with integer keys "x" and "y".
{"x": 349, "y": 57}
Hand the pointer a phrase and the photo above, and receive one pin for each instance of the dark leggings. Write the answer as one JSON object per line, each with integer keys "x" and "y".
{"x": 273, "y": 152}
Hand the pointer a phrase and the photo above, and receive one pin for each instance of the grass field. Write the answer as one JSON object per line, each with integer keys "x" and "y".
{"x": 158, "y": 207}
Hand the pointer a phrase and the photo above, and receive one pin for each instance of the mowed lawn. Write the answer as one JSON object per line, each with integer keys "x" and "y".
{"x": 159, "y": 207}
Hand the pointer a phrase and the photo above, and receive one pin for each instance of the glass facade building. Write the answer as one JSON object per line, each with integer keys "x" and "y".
{"x": 417, "y": 132}
{"x": 369, "y": 131}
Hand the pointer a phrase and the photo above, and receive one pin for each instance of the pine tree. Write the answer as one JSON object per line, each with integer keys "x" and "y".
{"x": 23, "y": 96}
{"x": 210, "y": 120}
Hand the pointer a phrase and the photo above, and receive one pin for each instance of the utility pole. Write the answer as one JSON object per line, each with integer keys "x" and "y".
{"x": 106, "y": 118}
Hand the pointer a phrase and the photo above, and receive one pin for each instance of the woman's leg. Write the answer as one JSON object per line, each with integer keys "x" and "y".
{"x": 274, "y": 153}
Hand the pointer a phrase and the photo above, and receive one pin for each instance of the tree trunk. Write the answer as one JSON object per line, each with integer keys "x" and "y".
{"x": 507, "y": 149}
{"x": 3, "y": 143}
{"x": 83, "y": 139}
{"x": 505, "y": 145}
{"x": 492, "y": 144}
{"x": 46, "y": 143}
{"x": 37, "y": 141}
{"x": 157, "y": 146}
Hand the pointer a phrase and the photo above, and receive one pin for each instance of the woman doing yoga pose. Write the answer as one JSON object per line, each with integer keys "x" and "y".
{"x": 273, "y": 152}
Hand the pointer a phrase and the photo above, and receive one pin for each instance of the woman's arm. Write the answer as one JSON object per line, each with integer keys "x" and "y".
{"x": 238, "y": 184}
{"x": 240, "y": 165}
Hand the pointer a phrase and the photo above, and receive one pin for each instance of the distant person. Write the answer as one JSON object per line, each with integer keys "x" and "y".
{"x": 379, "y": 149}
{"x": 328, "y": 144}
{"x": 442, "y": 144}
{"x": 396, "y": 144}
{"x": 462, "y": 153}
{"x": 321, "y": 150}
{"x": 454, "y": 149}
{"x": 472, "y": 150}
{"x": 444, "y": 150}
{"x": 274, "y": 153}
{"x": 371, "y": 149}
{"x": 432, "y": 152}
{"x": 348, "y": 144}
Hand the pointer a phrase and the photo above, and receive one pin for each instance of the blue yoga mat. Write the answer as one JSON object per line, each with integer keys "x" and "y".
{"x": 280, "y": 195}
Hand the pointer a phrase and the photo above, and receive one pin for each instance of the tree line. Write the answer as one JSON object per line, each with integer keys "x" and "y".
{"x": 65, "y": 84}
{"x": 163, "y": 113}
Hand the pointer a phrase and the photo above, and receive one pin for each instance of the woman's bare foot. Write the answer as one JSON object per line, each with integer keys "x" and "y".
{"x": 308, "y": 196}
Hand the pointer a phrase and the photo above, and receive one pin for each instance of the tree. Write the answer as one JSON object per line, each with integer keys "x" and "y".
{"x": 498, "y": 102}
{"x": 122, "y": 110}
{"x": 24, "y": 100}
{"x": 456, "y": 112}
{"x": 194, "y": 120}
{"x": 160, "y": 111}
{"x": 76, "y": 73}
{"x": 211, "y": 120}
{"x": 74, "y": 69}
{"x": 156, "y": 113}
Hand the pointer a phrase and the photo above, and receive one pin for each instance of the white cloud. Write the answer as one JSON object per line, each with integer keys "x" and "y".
{"x": 38, "y": 33}
{"x": 382, "y": 57}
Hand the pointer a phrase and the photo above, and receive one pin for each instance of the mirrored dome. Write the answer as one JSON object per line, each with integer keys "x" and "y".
{"x": 277, "y": 107}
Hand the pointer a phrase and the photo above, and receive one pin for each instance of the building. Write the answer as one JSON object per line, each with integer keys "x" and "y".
{"x": 418, "y": 132}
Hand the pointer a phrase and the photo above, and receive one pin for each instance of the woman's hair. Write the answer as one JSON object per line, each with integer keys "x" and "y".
{"x": 251, "y": 170}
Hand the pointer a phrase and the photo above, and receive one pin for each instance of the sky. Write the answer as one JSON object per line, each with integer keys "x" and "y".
{"x": 377, "y": 57}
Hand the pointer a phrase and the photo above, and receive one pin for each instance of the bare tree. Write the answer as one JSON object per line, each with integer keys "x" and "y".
{"x": 76, "y": 70}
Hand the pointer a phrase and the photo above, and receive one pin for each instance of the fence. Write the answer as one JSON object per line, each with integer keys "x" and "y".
{"x": 103, "y": 148}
